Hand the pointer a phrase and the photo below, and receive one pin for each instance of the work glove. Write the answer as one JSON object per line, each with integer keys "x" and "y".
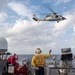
{"x": 50, "y": 51}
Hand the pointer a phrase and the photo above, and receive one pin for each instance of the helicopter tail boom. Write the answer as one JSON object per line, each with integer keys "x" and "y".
{"x": 37, "y": 19}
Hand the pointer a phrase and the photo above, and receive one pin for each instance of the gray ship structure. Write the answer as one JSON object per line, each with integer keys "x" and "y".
{"x": 65, "y": 67}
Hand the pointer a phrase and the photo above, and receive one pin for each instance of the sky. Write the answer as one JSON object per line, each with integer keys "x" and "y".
{"x": 24, "y": 34}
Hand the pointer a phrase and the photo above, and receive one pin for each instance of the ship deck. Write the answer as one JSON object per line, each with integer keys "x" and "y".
{"x": 54, "y": 71}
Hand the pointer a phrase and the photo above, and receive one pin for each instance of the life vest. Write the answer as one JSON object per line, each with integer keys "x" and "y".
{"x": 39, "y": 60}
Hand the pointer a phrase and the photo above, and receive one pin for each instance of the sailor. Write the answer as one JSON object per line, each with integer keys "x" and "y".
{"x": 38, "y": 61}
{"x": 12, "y": 59}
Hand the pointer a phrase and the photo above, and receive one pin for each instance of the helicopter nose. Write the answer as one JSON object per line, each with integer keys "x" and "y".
{"x": 64, "y": 18}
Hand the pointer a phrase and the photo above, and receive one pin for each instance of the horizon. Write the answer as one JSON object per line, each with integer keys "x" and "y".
{"x": 24, "y": 34}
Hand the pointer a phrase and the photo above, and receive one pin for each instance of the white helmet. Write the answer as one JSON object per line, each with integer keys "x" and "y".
{"x": 38, "y": 50}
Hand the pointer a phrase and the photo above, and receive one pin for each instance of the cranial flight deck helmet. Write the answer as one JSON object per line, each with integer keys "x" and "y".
{"x": 38, "y": 50}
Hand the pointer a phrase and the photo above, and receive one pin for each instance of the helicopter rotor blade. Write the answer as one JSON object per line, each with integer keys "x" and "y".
{"x": 44, "y": 13}
{"x": 47, "y": 6}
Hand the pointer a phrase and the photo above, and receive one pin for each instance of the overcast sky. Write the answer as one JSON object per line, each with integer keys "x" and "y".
{"x": 24, "y": 34}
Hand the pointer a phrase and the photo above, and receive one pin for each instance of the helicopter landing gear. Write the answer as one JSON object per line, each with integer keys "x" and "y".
{"x": 57, "y": 21}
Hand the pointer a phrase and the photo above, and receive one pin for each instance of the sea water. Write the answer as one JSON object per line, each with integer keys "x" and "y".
{"x": 29, "y": 57}
{"x": 50, "y": 59}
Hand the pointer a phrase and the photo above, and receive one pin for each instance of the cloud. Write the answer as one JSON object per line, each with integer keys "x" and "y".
{"x": 24, "y": 36}
{"x": 56, "y": 1}
{"x": 20, "y": 9}
{"x": 70, "y": 19}
{"x": 46, "y": 1}
{"x": 3, "y": 16}
{"x": 19, "y": 26}
{"x": 61, "y": 1}
{"x": 2, "y": 3}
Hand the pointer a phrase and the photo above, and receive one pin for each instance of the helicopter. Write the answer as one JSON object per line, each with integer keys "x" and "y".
{"x": 50, "y": 17}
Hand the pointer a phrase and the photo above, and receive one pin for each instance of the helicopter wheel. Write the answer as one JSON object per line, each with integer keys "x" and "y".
{"x": 57, "y": 21}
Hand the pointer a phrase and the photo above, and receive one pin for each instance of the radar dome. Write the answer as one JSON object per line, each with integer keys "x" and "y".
{"x": 3, "y": 45}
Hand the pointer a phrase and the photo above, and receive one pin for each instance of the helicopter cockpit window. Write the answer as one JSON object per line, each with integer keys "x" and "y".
{"x": 56, "y": 16}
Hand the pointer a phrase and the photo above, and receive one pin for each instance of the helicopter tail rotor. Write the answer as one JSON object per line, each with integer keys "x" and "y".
{"x": 35, "y": 18}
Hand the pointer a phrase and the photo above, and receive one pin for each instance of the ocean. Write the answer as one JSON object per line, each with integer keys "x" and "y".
{"x": 29, "y": 57}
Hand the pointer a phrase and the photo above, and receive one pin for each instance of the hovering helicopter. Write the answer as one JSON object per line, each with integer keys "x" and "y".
{"x": 50, "y": 17}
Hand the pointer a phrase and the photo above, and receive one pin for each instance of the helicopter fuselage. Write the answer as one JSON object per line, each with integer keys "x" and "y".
{"x": 54, "y": 17}
{"x": 50, "y": 17}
